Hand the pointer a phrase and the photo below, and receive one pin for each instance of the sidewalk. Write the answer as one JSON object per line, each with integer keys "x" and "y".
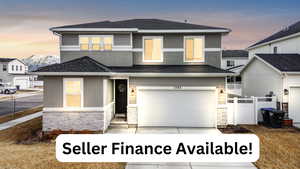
{"x": 7, "y": 97}
{"x": 15, "y": 122}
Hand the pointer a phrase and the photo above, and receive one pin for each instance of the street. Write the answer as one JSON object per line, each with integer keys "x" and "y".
{"x": 23, "y": 103}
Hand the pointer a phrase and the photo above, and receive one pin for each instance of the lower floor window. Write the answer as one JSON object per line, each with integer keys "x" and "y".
{"x": 73, "y": 92}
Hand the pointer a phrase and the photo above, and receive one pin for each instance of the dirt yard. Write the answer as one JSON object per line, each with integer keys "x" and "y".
{"x": 36, "y": 155}
{"x": 279, "y": 148}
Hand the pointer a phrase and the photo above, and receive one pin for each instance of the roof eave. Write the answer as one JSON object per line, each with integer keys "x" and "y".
{"x": 225, "y": 31}
{"x": 134, "y": 74}
{"x": 273, "y": 41}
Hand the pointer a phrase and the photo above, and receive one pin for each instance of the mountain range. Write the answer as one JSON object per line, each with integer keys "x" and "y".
{"x": 35, "y": 61}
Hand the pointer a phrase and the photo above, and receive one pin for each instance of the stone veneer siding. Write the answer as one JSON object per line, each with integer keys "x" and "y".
{"x": 75, "y": 121}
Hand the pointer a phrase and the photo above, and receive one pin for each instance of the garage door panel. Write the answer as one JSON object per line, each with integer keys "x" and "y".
{"x": 184, "y": 108}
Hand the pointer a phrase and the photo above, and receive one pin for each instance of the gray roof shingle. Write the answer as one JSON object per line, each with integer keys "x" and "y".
{"x": 87, "y": 64}
{"x": 6, "y": 59}
{"x": 141, "y": 24}
{"x": 295, "y": 28}
{"x": 235, "y": 53}
{"x": 83, "y": 64}
{"x": 283, "y": 62}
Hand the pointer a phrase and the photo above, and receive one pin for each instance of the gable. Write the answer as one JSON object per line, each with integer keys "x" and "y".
{"x": 256, "y": 66}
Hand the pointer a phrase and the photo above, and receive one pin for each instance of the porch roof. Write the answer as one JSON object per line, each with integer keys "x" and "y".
{"x": 88, "y": 65}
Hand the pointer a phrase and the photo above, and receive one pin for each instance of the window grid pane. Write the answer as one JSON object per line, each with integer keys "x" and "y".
{"x": 194, "y": 49}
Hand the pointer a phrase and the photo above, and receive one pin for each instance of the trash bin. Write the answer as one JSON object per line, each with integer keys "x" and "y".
{"x": 266, "y": 115}
{"x": 276, "y": 118}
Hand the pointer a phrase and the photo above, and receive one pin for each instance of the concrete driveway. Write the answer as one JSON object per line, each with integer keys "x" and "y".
{"x": 177, "y": 130}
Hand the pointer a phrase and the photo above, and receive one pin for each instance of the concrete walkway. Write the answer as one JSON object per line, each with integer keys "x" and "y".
{"x": 177, "y": 130}
{"x": 15, "y": 122}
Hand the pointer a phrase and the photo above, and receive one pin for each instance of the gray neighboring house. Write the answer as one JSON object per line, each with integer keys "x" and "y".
{"x": 275, "y": 67}
{"x": 146, "y": 72}
{"x": 14, "y": 71}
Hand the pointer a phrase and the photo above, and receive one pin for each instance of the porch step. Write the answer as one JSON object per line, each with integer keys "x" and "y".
{"x": 118, "y": 125}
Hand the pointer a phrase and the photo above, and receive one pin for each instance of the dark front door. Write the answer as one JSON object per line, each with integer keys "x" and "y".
{"x": 121, "y": 96}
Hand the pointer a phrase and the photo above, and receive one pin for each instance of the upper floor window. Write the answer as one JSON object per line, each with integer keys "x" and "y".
{"x": 275, "y": 50}
{"x": 21, "y": 67}
{"x": 96, "y": 42}
{"x": 152, "y": 49}
{"x": 12, "y": 67}
{"x": 4, "y": 68}
{"x": 230, "y": 63}
{"x": 194, "y": 49}
{"x": 17, "y": 67}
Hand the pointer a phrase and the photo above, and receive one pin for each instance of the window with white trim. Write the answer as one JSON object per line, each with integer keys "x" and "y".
{"x": 152, "y": 51}
{"x": 73, "y": 92}
{"x": 194, "y": 49}
{"x": 230, "y": 63}
{"x": 96, "y": 42}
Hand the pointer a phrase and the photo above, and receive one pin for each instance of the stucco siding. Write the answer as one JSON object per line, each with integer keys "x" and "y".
{"x": 70, "y": 40}
{"x": 109, "y": 58}
{"x": 93, "y": 92}
{"x": 176, "y": 40}
{"x": 177, "y": 58}
{"x": 259, "y": 79}
{"x": 120, "y": 39}
{"x": 53, "y": 91}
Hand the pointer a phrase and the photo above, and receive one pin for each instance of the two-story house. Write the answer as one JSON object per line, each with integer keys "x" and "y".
{"x": 234, "y": 60}
{"x": 14, "y": 72}
{"x": 151, "y": 72}
{"x": 275, "y": 68}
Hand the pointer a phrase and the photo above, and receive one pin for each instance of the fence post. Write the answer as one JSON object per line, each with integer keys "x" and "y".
{"x": 235, "y": 109}
{"x": 255, "y": 100}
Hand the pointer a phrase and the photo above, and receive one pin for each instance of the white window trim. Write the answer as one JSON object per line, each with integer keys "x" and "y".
{"x": 203, "y": 50}
{"x": 90, "y": 42}
{"x": 162, "y": 47}
{"x": 230, "y": 61}
{"x": 81, "y": 92}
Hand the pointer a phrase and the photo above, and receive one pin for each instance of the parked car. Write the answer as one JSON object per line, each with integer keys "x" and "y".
{"x": 6, "y": 88}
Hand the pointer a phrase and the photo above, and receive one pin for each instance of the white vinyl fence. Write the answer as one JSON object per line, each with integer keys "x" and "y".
{"x": 247, "y": 110}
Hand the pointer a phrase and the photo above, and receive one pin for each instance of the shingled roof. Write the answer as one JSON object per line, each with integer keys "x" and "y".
{"x": 87, "y": 64}
{"x": 290, "y": 30}
{"x": 83, "y": 64}
{"x": 234, "y": 53}
{"x": 6, "y": 59}
{"x": 283, "y": 62}
{"x": 149, "y": 24}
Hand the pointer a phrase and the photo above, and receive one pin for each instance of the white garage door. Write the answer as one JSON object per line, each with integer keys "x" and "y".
{"x": 294, "y": 106}
{"x": 181, "y": 108}
{"x": 22, "y": 82}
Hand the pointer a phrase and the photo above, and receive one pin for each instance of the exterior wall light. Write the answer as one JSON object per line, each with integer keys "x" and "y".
{"x": 286, "y": 92}
{"x": 132, "y": 91}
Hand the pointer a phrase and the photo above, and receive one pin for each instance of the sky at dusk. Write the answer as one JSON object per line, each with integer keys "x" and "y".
{"x": 24, "y": 24}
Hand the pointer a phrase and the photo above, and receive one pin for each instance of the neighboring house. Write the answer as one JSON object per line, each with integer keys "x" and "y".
{"x": 152, "y": 72}
{"x": 275, "y": 68}
{"x": 284, "y": 41}
{"x": 14, "y": 71}
{"x": 234, "y": 60}
{"x": 278, "y": 74}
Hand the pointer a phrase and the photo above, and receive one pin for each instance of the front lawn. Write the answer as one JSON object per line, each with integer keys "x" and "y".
{"x": 36, "y": 155}
{"x": 279, "y": 148}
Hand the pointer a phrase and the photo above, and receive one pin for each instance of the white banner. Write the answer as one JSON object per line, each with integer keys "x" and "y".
{"x": 157, "y": 148}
